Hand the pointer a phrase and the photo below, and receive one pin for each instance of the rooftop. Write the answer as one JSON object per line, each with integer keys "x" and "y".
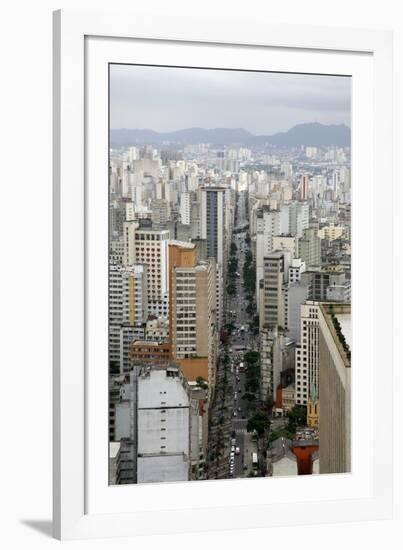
{"x": 338, "y": 320}
{"x": 114, "y": 448}
{"x": 182, "y": 244}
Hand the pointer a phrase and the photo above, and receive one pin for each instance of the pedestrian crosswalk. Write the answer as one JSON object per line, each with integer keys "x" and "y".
{"x": 241, "y": 430}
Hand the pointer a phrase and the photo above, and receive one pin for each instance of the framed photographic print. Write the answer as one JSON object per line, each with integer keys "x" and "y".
{"x": 220, "y": 313}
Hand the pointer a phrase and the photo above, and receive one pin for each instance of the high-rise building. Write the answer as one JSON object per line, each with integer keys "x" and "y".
{"x": 303, "y": 187}
{"x": 277, "y": 229}
{"x": 193, "y": 321}
{"x": 150, "y": 247}
{"x": 212, "y": 221}
{"x": 213, "y": 224}
{"x": 127, "y": 310}
{"x": 307, "y": 353}
{"x": 275, "y": 275}
{"x": 309, "y": 247}
{"x": 297, "y": 293}
{"x": 335, "y": 388}
{"x": 185, "y": 208}
{"x": 298, "y": 213}
{"x": 160, "y": 212}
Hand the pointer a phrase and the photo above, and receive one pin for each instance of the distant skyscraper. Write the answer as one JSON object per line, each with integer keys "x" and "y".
{"x": 303, "y": 188}
{"x": 309, "y": 247}
{"x": 212, "y": 221}
{"x": 185, "y": 208}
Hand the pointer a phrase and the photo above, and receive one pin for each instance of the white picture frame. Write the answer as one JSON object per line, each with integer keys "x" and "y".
{"x": 84, "y": 505}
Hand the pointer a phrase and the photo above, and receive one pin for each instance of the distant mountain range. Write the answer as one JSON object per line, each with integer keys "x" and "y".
{"x": 310, "y": 134}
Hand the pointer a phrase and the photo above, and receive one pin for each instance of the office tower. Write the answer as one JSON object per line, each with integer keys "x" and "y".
{"x": 213, "y": 225}
{"x": 303, "y": 188}
{"x": 195, "y": 220}
{"x": 180, "y": 254}
{"x": 307, "y": 353}
{"x": 336, "y": 184}
{"x": 185, "y": 208}
{"x": 127, "y": 310}
{"x": 150, "y": 247}
{"x": 298, "y": 213}
{"x": 277, "y": 229}
{"x": 193, "y": 321}
{"x": 120, "y": 211}
{"x": 275, "y": 275}
{"x": 309, "y": 247}
{"x": 335, "y": 388}
{"x": 269, "y": 223}
{"x": 160, "y": 212}
{"x": 212, "y": 221}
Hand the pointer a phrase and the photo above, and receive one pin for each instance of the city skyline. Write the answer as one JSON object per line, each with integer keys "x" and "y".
{"x": 167, "y": 99}
{"x": 229, "y": 277}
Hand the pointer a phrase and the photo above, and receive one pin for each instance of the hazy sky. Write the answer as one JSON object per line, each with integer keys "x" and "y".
{"x": 167, "y": 99}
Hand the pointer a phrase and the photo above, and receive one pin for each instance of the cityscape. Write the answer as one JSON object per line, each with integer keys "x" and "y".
{"x": 229, "y": 275}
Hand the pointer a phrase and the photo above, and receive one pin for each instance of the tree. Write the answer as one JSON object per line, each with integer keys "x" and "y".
{"x": 231, "y": 289}
{"x": 296, "y": 418}
{"x": 201, "y": 383}
{"x": 250, "y": 309}
{"x": 259, "y": 422}
{"x": 230, "y": 327}
{"x": 251, "y": 357}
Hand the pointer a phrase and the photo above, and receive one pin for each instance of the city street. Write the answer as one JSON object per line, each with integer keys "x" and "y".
{"x": 240, "y": 340}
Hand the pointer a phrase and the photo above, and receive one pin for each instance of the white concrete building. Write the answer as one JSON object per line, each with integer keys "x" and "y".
{"x": 163, "y": 426}
{"x": 150, "y": 247}
{"x": 185, "y": 208}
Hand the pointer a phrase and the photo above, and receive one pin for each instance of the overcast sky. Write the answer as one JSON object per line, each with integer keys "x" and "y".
{"x": 166, "y": 99}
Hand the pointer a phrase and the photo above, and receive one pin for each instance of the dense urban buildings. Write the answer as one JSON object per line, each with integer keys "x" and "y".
{"x": 229, "y": 306}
